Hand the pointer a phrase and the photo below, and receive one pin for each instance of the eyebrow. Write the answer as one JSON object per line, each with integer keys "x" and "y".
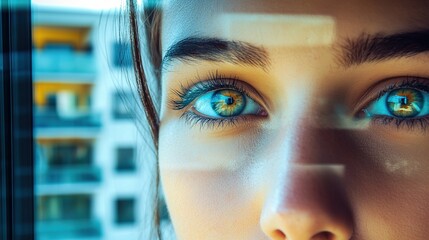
{"x": 365, "y": 48}
{"x": 216, "y": 50}
{"x": 378, "y": 47}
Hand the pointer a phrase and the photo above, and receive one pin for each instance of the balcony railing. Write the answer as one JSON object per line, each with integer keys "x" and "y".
{"x": 63, "y": 64}
{"x": 51, "y": 118}
{"x": 68, "y": 229}
{"x": 59, "y": 175}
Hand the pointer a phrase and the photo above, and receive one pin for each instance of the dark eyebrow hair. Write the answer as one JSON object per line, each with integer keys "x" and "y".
{"x": 217, "y": 50}
{"x": 365, "y": 48}
{"x": 378, "y": 47}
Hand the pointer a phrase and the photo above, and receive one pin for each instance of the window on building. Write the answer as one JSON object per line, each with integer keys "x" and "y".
{"x": 125, "y": 210}
{"x": 125, "y": 160}
{"x": 64, "y": 207}
{"x": 123, "y": 105}
{"x": 122, "y": 54}
{"x": 66, "y": 153}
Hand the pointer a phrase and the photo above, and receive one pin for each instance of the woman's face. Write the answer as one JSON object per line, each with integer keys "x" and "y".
{"x": 298, "y": 120}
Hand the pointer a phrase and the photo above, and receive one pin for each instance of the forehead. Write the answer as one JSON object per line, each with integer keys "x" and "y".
{"x": 347, "y": 19}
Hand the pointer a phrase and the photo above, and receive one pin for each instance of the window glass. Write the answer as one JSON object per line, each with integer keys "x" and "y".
{"x": 66, "y": 216}
{"x": 125, "y": 161}
{"x": 122, "y": 54}
{"x": 125, "y": 212}
{"x": 123, "y": 105}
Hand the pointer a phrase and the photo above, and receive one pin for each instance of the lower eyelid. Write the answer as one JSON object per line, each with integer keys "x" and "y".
{"x": 421, "y": 124}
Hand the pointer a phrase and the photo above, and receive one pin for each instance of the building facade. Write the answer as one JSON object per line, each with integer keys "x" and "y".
{"x": 89, "y": 160}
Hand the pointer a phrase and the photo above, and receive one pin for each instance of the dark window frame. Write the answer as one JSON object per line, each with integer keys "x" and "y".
{"x": 16, "y": 127}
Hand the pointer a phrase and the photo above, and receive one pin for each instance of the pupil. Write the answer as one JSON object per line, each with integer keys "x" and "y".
{"x": 228, "y": 103}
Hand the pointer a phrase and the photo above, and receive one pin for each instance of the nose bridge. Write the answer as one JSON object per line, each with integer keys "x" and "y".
{"x": 304, "y": 133}
{"x": 308, "y": 202}
{"x": 305, "y": 143}
{"x": 317, "y": 188}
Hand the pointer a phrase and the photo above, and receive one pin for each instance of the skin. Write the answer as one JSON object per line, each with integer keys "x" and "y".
{"x": 305, "y": 171}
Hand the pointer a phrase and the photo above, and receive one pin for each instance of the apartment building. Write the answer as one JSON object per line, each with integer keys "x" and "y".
{"x": 88, "y": 157}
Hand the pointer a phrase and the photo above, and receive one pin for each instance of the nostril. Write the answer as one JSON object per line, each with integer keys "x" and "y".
{"x": 323, "y": 236}
{"x": 278, "y": 234}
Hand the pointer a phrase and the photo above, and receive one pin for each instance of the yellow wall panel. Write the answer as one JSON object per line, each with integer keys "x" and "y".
{"x": 75, "y": 36}
{"x": 49, "y": 141}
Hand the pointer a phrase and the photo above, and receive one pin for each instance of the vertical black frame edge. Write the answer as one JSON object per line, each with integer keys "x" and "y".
{"x": 16, "y": 132}
{"x": 5, "y": 131}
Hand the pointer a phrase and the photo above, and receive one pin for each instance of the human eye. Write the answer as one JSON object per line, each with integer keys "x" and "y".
{"x": 218, "y": 101}
{"x": 404, "y": 103}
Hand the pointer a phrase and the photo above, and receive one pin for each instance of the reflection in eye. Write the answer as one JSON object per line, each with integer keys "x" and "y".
{"x": 225, "y": 103}
{"x": 405, "y": 102}
{"x": 401, "y": 103}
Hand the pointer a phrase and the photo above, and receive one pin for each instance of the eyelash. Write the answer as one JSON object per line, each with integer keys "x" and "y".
{"x": 409, "y": 123}
{"x": 215, "y": 81}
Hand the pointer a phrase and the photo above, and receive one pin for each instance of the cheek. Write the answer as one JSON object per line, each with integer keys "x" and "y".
{"x": 391, "y": 208}
{"x": 394, "y": 154}
{"x": 215, "y": 204}
{"x": 210, "y": 183}
{"x": 388, "y": 189}
{"x": 195, "y": 148}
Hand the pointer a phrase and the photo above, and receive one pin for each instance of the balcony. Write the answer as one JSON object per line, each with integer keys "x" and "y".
{"x": 69, "y": 174}
{"x": 45, "y": 118}
{"x": 64, "y": 64}
{"x": 68, "y": 229}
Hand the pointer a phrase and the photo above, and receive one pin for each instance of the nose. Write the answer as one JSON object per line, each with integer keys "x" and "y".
{"x": 308, "y": 200}
{"x": 309, "y": 205}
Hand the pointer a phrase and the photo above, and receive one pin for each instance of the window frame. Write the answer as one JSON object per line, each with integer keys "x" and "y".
{"x": 16, "y": 117}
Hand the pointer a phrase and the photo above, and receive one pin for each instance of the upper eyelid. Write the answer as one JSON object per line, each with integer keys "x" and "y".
{"x": 405, "y": 84}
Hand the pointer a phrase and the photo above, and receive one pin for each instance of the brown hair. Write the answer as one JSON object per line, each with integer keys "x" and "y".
{"x": 151, "y": 19}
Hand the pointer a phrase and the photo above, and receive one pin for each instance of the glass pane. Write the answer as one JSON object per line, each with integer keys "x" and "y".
{"x": 88, "y": 177}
